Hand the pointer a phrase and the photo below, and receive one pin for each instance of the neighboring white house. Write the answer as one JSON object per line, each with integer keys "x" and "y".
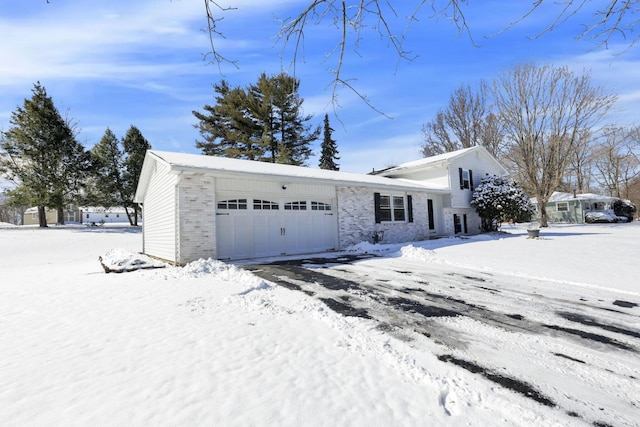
{"x": 197, "y": 206}
{"x": 101, "y": 215}
{"x": 459, "y": 172}
{"x": 75, "y": 214}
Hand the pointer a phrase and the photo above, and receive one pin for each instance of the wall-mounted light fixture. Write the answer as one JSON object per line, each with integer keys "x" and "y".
{"x": 284, "y": 186}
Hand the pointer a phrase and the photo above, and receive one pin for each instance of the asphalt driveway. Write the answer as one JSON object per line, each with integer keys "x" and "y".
{"x": 472, "y": 318}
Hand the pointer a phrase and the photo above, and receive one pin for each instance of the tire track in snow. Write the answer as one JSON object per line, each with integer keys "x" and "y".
{"x": 405, "y": 303}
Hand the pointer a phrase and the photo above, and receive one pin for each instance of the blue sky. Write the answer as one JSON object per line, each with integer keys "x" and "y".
{"x": 117, "y": 63}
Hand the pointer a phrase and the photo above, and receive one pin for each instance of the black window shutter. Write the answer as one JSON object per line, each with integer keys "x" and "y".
{"x": 471, "y": 179}
{"x": 410, "y": 207}
{"x": 461, "y": 182}
{"x": 376, "y": 204}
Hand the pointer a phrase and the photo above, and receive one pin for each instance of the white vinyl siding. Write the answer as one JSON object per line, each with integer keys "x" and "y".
{"x": 159, "y": 213}
{"x": 431, "y": 177}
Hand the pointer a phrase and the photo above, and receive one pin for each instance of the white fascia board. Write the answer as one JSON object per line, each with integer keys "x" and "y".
{"x": 379, "y": 182}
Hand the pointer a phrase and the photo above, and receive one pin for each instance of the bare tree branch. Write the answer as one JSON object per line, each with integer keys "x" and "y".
{"x": 351, "y": 18}
{"x": 212, "y": 31}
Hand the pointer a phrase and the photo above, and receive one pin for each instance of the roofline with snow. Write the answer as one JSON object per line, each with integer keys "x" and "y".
{"x": 438, "y": 160}
{"x": 222, "y": 166}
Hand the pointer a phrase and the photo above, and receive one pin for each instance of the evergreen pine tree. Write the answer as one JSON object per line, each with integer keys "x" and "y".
{"x": 106, "y": 186}
{"x": 264, "y": 122}
{"x": 135, "y": 147}
{"x": 40, "y": 152}
{"x": 329, "y": 148}
{"x": 226, "y": 127}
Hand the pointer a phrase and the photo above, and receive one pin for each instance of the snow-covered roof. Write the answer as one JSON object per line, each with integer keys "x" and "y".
{"x": 559, "y": 196}
{"x": 87, "y": 209}
{"x": 102, "y": 209}
{"x": 435, "y": 160}
{"x": 227, "y": 166}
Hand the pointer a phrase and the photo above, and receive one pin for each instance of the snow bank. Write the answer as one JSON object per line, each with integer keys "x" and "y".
{"x": 418, "y": 254}
{"x": 120, "y": 260}
{"x": 219, "y": 270}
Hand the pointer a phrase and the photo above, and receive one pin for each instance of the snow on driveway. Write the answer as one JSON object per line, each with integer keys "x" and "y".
{"x": 575, "y": 348}
{"x": 449, "y": 332}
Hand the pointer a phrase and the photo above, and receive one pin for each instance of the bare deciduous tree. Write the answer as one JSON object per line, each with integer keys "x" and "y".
{"x": 616, "y": 160}
{"x": 581, "y": 161}
{"x": 545, "y": 110}
{"x": 465, "y": 122}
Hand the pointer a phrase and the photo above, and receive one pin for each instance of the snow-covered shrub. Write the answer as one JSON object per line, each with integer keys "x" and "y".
{"x": 499, "y": 199}
{"x": 625, "y": 208}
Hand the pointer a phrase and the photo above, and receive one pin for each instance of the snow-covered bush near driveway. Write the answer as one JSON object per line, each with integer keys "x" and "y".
{"x": 498, "y": 200}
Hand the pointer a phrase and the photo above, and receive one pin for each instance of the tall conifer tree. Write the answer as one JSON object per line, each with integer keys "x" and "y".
{"x": 106, "y": 186}
{"x": 329, "y": 148}
{"x": 263, "y": 122}
{"x": 40, "y": 152}
{"x": 135, "y": 147}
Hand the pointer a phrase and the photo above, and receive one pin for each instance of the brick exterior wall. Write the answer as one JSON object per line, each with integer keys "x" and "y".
{"x": 197, "y": 216}
{"x": 356, "y": 219}
{"x": 474, "y": 224}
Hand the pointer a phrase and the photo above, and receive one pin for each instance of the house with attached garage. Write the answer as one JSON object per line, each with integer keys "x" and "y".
{"x": 197, "y": 206}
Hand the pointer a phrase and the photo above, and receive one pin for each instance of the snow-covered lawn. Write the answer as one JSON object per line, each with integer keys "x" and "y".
{"x": 212, "y": 344}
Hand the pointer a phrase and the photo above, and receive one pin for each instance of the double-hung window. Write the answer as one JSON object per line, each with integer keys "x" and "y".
{"x": 392, "y": 208}
{"x": 466, "y": 179}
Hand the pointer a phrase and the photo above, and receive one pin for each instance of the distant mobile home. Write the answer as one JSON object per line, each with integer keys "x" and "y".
{"x": 197, "y": 206}
{"x": 79, "y": 215}
{"x": 101, "y": 215}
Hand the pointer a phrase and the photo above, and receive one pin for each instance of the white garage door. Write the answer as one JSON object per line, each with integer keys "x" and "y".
{"x": 262, "y": 226}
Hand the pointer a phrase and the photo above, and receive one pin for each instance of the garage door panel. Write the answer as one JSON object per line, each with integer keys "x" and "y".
{"x": 234, "y": 235}
{"x": 272, "y": 227}
{"x": 267, "y": 234}
{"x": 321, "y": 230}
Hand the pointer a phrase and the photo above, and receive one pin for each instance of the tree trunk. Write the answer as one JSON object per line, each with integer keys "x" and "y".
{"x": 543, "y": 214}
{"x": 42, "y": 216}
{"x": 60, "y": 216}
{"x": 136, "y": 210}
{"x": 133, "y": 219}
